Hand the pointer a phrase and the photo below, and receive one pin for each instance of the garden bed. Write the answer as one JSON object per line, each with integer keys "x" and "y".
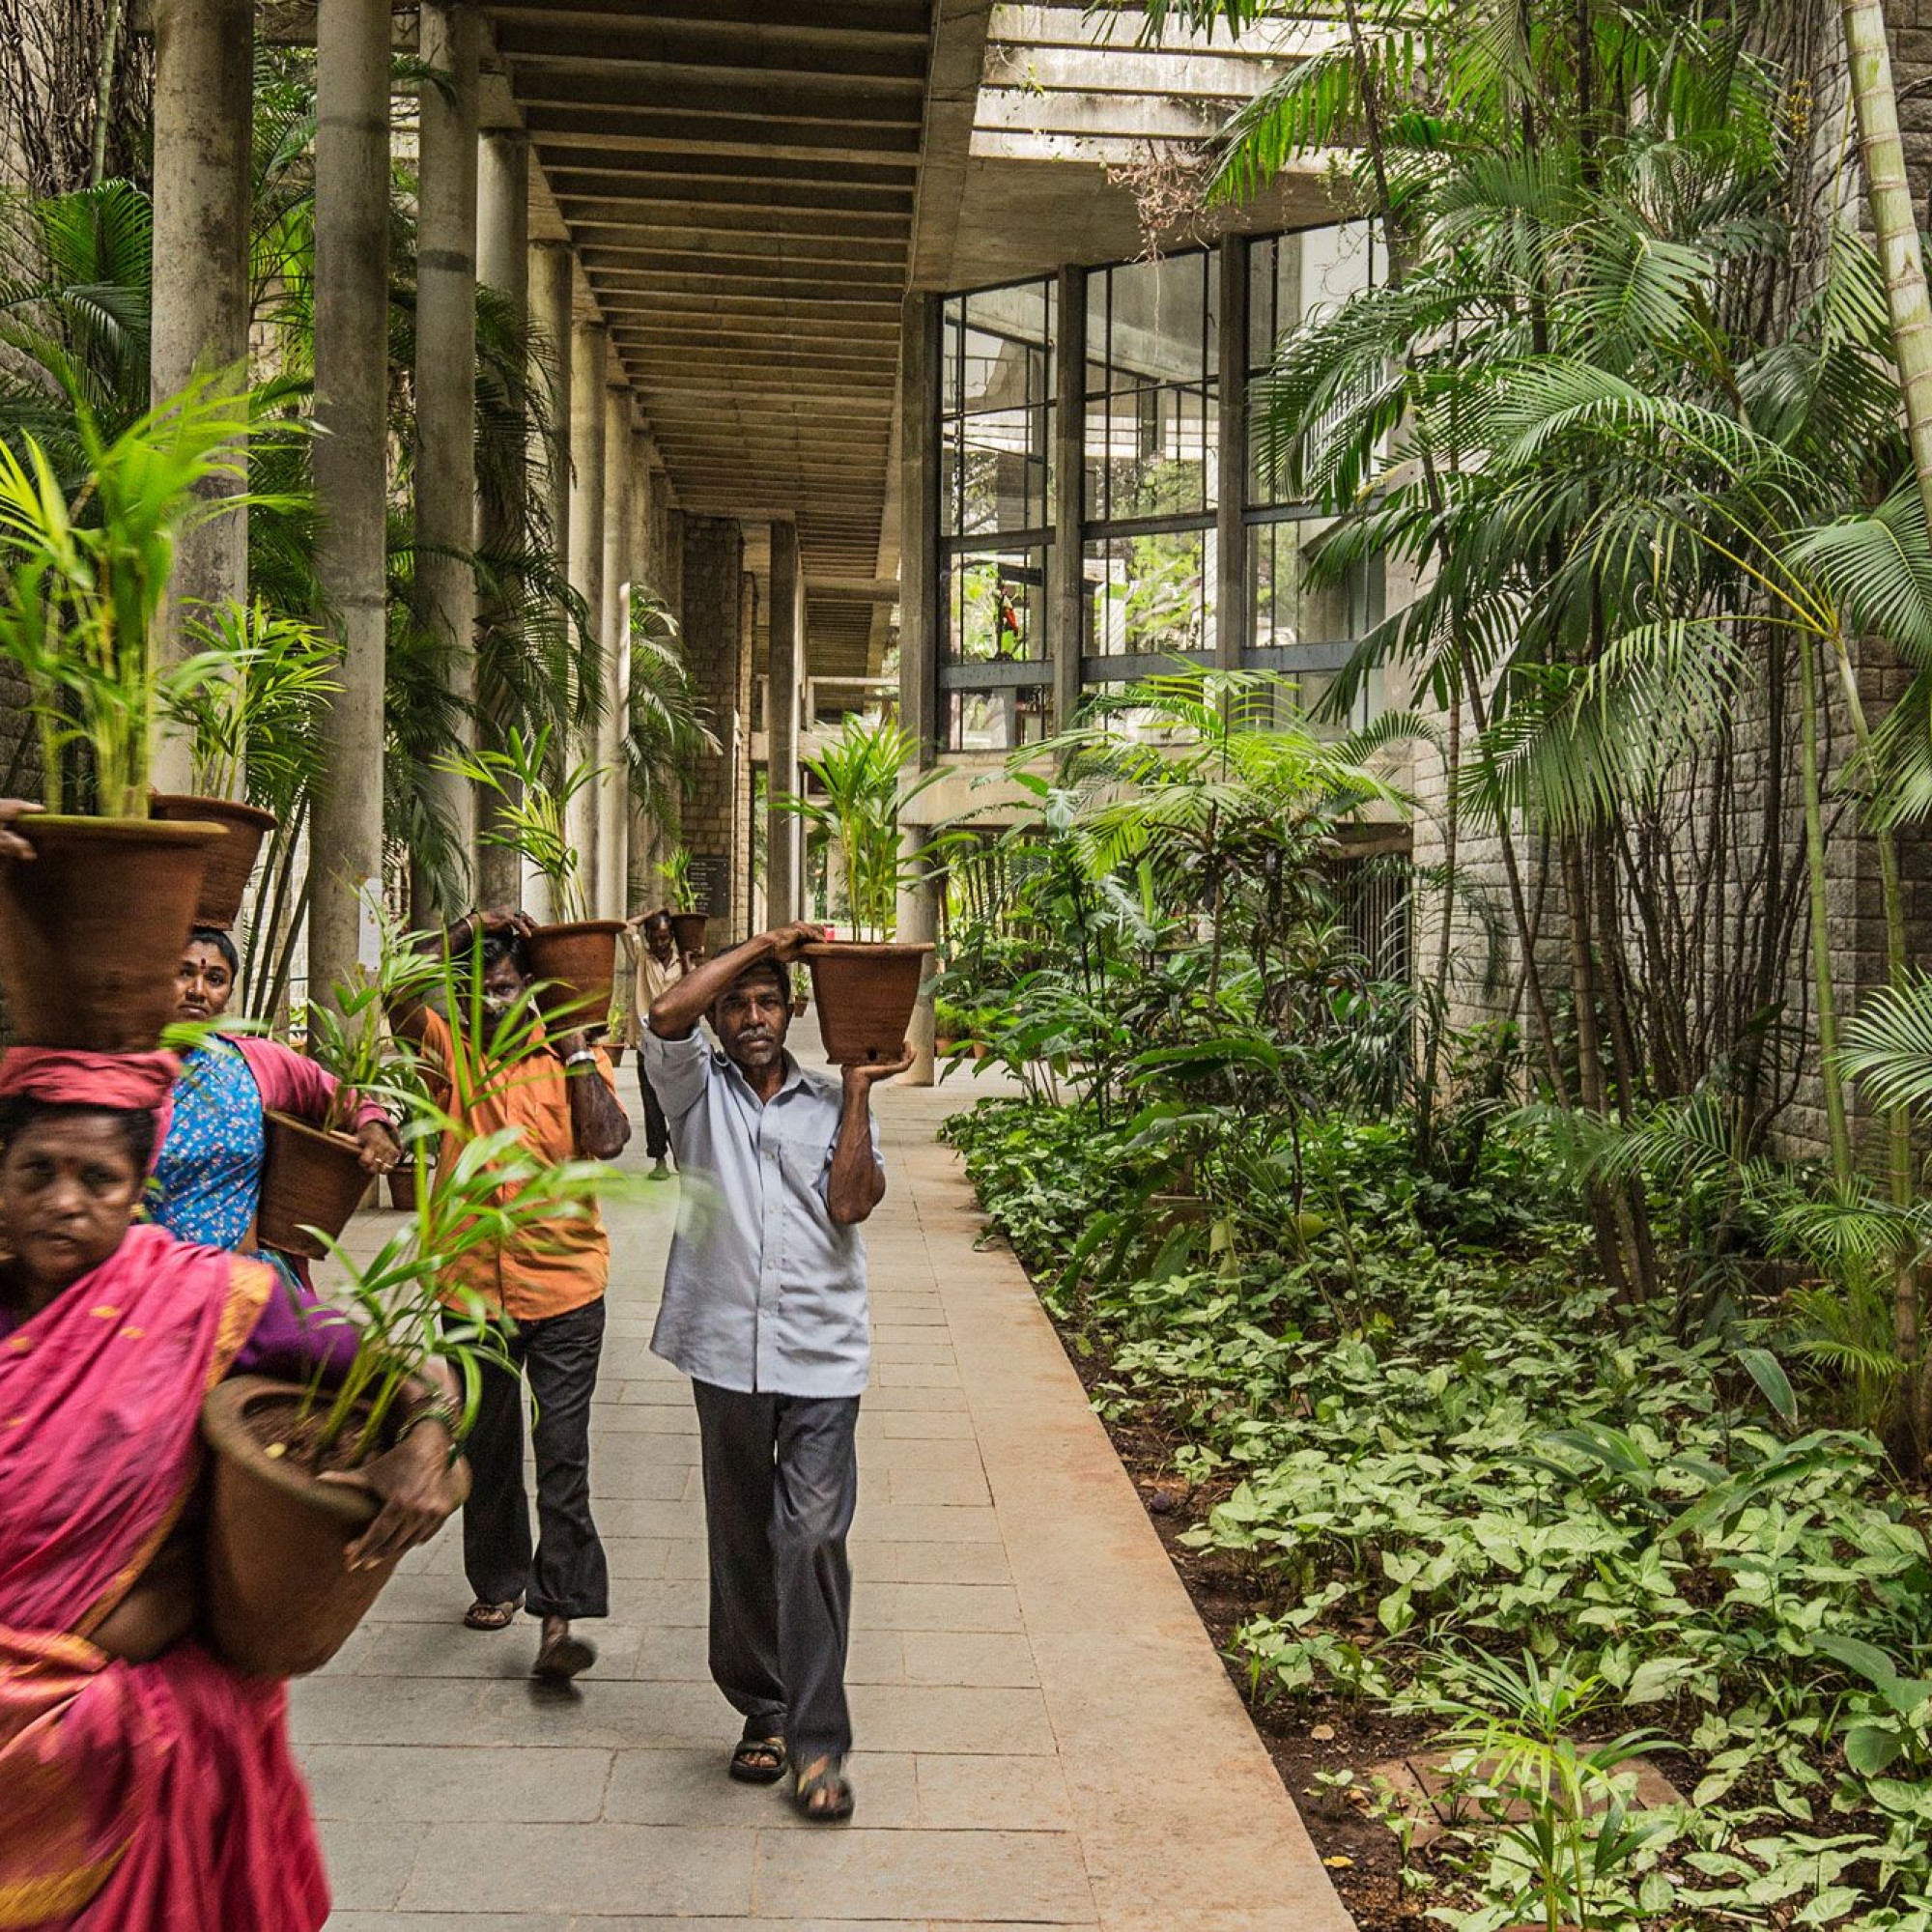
{"x": 1325, "y": 1737}
{"x": 1419, "y": 1465}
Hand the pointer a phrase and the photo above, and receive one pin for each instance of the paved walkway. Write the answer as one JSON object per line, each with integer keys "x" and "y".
{"x": 1044, "y": 1734}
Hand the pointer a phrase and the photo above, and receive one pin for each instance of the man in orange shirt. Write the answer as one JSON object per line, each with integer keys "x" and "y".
{"x": 549, "y": 1289}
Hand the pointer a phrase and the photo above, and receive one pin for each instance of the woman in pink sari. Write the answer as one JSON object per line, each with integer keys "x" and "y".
{"x": 144, "y": 1785}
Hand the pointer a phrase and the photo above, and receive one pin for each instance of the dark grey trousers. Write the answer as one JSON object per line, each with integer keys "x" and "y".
{"x": 781, "y": 1483}
{"x": 565, "y": 1575}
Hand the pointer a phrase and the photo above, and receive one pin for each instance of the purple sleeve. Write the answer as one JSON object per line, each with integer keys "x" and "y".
{"x": 298, "y": 1334}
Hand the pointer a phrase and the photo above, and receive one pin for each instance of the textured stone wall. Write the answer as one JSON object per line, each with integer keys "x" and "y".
{"x": 1486, "y": 979}
{"x": 713, "y": 821}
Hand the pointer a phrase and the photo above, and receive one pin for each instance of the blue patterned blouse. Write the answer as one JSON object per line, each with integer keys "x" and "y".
{"x": 209, "y": 1177}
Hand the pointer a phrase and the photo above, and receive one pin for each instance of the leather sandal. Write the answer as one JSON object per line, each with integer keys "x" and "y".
{"x": 824, "y": 1796}
{"x": 484, "y": 1615}
{"x": 758, "y": 1760}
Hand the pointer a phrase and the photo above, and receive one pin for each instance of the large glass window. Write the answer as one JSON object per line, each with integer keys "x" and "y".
{"x": 1302, "y": 621}
{"x": 1150, "y": 437}
{"x": 1152, "y": 597}
{"x": 1292, "y": 278}
{"x": 1152, "y": 422}
{"x": 997, "y": 412}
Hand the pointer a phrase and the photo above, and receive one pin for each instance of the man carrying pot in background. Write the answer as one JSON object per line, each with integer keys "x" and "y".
{"x": 560, "y": 1093}
{"x": 765, "y": 1309}
{"x": 654, "y": 946}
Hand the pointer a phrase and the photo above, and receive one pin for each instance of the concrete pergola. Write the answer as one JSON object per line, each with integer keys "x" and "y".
{"x": 728, "y": 217}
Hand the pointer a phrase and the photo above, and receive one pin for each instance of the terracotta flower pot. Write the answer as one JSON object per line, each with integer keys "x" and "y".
{"x": 281, "y": 1599}
{"x": 688, "y": 928}
{"x": 865, "y": 994}
{"x": 579, "y": 960}
{"x": 310, "y": 1177}
{"x": 92, "y": 928}
{"x": 403, "y": 1187}
{"x": 232, "y": 863}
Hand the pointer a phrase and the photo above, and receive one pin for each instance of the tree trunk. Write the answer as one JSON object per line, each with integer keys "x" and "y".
{"x": 1895, "y": 224}
{"x": 1838, "y": 1129}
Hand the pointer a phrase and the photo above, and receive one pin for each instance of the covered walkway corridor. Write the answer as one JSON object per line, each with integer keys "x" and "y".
{"x": 1045, "y": 1736}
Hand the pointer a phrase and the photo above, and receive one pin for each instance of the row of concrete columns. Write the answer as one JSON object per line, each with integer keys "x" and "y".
{"x": 473, "y": 228}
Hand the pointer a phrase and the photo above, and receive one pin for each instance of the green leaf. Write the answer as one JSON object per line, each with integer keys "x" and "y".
{"x": 1870, "y": 1750}
{"x": 1761, "y": 1366}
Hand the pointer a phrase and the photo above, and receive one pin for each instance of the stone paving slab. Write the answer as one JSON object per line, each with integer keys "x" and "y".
{"x": 1023, "y": 1662}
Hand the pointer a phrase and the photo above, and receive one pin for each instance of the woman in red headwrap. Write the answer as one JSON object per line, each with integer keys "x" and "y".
{"x": 144, "y": 1785}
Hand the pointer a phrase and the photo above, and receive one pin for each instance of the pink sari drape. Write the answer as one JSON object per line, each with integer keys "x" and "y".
{"x": 133, "y": 1798}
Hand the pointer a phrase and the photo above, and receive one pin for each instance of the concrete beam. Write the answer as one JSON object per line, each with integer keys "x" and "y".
{"x": 647, "y": 45}
{"x": 631, "y": 244}
{"x": 1128, "y": 117}
{"x": 781, "y": 267}
{"x": 351, "y": 474}
{"x": 652, "y": 223}
{"x": 739, "y": 184}
{"x": 613, "y": 130}
{"x": 204, "y": 68}
{"x": 868, "y": 24}
{"x": 782, "y": 102}
{"x": 952, "y": 94}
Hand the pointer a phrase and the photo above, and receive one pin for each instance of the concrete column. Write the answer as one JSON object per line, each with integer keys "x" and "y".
{"x": 713, "y": 616}
{"x": 1231, "y": 529}
{"x": 1068, "y": 631}
{"x": 641, "y": 853}
{"x": 444, "y": 471}
{"x": 503, "y": 263}
{"x": 613, "y": 791}
{"x": 204, "y": 68}
{"x": 918, "y": 616}
{"x": 919, "y": 523}
{"x": 786, "y": 626}
{"x": 553, "y": 275}
{"x": 350, "y": 470}
{"x": 589, "y": 352}
{"x": 552, "y": 292}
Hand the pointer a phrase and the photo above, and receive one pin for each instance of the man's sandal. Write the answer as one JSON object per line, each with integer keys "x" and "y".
{"x": 484, "y": 1615}
{"x": 824, "y": 1795}
{"x": 758, "y": 1760}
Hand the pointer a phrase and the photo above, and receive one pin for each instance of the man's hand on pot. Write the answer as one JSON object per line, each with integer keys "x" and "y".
{"x": 866, "y": 1074}
{"x": 11, "y": 844}
{"x": 790, "y": 941}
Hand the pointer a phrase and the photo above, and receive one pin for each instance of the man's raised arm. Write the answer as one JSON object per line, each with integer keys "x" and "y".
{"x": 679, "y": 1007}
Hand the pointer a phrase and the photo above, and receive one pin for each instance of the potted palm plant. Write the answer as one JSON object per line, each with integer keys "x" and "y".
{"x": 91, "y": 930}
{"x": 687, "y": 924}
{"x": 574, "y": 958}
{"x": 312, "y": 1177}
{"x": 866, "y": 988}
{"x": 281, "y": 1599}
{"x": 270, "y": 666}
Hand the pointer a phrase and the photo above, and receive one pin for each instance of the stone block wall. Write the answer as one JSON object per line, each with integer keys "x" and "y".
{"x": 1811, "y": 42}
{"x": 717, "y": 800}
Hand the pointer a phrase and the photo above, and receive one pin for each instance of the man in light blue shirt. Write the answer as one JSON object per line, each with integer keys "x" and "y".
{"x": 764, "y": 1308}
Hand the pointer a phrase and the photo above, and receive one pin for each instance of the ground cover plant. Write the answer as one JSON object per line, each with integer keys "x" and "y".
{"x": 1446, "y": 1473}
